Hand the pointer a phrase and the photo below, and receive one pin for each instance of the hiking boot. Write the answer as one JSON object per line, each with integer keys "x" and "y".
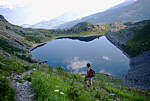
{"x": 88, "y": 85}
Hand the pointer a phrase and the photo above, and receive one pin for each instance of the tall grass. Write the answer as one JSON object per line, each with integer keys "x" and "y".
{"x": 45, "y": 86}
{"x": 49, "y": 85}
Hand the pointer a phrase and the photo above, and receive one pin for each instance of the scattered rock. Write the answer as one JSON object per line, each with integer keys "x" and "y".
{"x": 112, "y": 94}
{"x": 24, "y": 92}
{"x": 102, "y": 90}
{"x": 138, "y": 75}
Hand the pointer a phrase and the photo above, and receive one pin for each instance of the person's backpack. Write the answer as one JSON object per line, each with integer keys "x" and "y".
{"x": 92, "y": 73}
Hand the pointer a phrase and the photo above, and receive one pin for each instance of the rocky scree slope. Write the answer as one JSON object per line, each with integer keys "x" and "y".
{"x": 134, "y": 40}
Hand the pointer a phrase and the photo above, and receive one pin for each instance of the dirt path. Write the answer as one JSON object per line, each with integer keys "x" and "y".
{"x": 23, "y": 89}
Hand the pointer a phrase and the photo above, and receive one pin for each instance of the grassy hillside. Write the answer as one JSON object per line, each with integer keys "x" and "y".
{"x": 57, "y": 85}
{"x": 133, "y": 38}
{"x": 140, "y": 42}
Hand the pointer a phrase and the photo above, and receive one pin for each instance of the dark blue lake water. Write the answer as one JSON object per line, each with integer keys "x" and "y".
{"x": 74, "y": 54}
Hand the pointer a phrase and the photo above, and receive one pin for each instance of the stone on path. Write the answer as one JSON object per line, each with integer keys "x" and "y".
{"x": 23, "y": 90}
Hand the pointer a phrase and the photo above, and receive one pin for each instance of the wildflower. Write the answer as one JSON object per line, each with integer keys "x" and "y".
{"x": 56, "y": 90}
{"x": 62, "y": 93}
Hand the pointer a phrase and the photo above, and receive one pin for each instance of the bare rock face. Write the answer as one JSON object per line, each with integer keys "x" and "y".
{"x": 138, "y": 75}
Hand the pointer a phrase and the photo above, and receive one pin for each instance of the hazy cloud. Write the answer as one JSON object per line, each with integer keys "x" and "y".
{"x": 13, "y": 3}
{"x": 106, "y": 58}
{"x": 37, "y": 10}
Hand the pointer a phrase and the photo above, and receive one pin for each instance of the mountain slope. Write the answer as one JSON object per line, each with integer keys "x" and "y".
{"x": 133, "y": 12}
{"x": 134, "y": 41}
{"x": 66, "y": 17}
{"x": 133, "y": 38}
{"x": 51, "y": 24}
{"x": 125, "y": 3}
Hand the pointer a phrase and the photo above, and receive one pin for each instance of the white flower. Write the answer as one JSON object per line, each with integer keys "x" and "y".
{"x": 56, "y": 90}
{"x": 62, "y": 93}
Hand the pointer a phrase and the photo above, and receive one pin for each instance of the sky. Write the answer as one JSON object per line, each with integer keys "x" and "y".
{"x": 32, "y": 11}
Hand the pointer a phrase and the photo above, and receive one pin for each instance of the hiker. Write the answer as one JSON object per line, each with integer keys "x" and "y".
{"x": 90, "y": 74}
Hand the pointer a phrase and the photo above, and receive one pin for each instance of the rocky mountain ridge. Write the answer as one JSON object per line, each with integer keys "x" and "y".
{"x": 136, "y": 11}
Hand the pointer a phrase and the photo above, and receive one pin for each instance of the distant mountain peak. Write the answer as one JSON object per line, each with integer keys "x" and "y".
{"x": 52, "y": 23}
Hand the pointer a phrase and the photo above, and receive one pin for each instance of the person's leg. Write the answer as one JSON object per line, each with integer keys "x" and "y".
{"x": 87, "y": 82}
{"x": 91, "y": 82}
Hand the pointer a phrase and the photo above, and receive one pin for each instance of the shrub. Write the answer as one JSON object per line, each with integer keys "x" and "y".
{"x": 59, "y": 69}
{"x": 6, "y": 92}
{"x": 28, "y": 78}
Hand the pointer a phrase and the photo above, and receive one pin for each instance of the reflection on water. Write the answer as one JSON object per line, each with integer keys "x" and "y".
{"x": 73, "y": 55}
{"x": 85, "y": 39}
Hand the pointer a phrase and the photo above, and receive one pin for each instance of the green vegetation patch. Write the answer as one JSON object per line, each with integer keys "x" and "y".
{"x": 7, "y": 67}
{"x": 8, "y": 47}
{"x": 14, "y": 65}
{"x": 50, "y": 87}
{"x": 139, "y": 43}
{"x": 15, "y": 50}
{"x": 11, "y": 65}
{"x": 58, "y": 85}
{"x": 35, "y": 38}
{"x": 6, "y": 92}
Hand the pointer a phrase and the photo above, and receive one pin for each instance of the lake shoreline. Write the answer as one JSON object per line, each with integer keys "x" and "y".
{"x": 37, "y": 45}
{"x": 60, "y": 37}
{"x": 117, "y": 45}
{"x": 78, "y": 36}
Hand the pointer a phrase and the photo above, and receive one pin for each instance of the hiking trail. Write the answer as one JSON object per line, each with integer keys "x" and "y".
{"x": 22, "y": 87}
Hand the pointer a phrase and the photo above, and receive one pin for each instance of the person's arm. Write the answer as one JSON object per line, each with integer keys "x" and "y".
{"x": 86, "y": 76}
{"x": 88, "y": 73}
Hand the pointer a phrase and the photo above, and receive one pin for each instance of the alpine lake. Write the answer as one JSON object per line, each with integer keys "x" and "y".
{"x": 73, "y": 53}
